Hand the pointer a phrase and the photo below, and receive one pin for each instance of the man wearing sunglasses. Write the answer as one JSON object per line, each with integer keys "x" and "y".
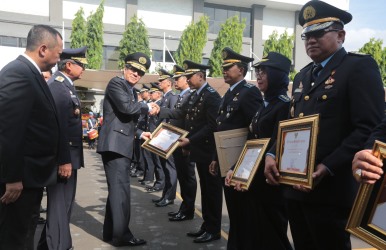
{"x": 345, "y": 89}
{"x": 121, "y": 111}
{"x": 56, "y": 233}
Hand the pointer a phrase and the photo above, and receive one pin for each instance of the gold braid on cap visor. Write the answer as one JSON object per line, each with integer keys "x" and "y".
{"x": 137, "y": 65}
{"x": 322, "y": 20}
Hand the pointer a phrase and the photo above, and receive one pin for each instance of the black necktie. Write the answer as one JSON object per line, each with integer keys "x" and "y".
{"x": 315, "y": 71}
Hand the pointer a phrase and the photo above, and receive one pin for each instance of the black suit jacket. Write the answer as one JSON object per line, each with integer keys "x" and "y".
{"x": 29, "y": 128}
{"x": 349, "y": 96}
{"x": 67, "y": 101}
{"x": 120, "y": 116}
{"x": 200, "y": 114}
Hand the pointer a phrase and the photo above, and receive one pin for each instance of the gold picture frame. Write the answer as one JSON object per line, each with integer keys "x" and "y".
{"x": 164, "y": 140}
{"x": 367, "y": 220}
{"x": 229, "y": 145}
{"x": 296, "y": 150}
{"x": 248, "y": 162}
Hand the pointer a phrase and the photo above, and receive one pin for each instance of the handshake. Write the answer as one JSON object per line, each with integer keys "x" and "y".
{"x": 154, "y": 108}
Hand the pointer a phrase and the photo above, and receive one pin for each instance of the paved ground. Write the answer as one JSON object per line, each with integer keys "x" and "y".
{"x": 147, "y": 221}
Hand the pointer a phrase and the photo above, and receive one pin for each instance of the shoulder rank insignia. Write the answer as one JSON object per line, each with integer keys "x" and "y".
{"x": 59, "y": 78}
{"x": 211, "y": 90}
{"x": 248, "y": 85}
{"x": 284, "y": 98}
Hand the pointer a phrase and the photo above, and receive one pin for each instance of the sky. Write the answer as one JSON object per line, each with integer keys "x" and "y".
{"x": 369, "y": 20}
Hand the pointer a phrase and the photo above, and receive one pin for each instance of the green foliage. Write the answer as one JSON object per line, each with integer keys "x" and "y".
{"x": 95, "y": 38}
{"x": 374, "y": 48}
{"x": 282, "y": 44}
{"x": 135, "y": 39}
{"x": 230, "y": 35}
{"x": 78, "y": 34}
{"x": 192, "y": 42}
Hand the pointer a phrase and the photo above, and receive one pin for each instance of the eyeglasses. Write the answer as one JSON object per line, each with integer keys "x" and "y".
{"x": 259, "y": 73}
{"x": 79, "y": 64}
{"x": 139, "y": 72}
{"x": 317, "y": 34}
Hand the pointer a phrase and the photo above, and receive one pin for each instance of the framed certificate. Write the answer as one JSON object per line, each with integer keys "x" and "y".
{"x": 164, "y": 140}
{"x": 367, "y": 220}
{"x": 296, "y": 149}
{"x": 229, "y": 144}
{"x": 248, "y": 162}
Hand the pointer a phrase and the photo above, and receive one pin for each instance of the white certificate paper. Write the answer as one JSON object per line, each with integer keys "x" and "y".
{"x": 249, "y": 160}
{"x": 164, "y": 139}
{"x": 295, "y": 153}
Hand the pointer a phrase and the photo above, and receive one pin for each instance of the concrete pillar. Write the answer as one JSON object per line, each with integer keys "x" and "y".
{"x": 257, "y": 29}
{"x": 300, "y": 56}
{"x": 198, "y": 10}
{"x": 131, "y": 9}
{"x": 56, "y": 12}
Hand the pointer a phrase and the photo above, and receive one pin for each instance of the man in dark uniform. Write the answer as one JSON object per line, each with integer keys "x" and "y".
{"x": 56, "y": 233}
{"x": 116, "y": 141}
{"x": 138, "y": 168}
{"x": 238, "y": 106}
{"x": 346, "y": 91}
{"x": 200, "y": 114}
{"x": 185, "y": 168}
{"x": 169, "y": 99}
{"x": 30, "y": 137}
{"x": 153, "y": 162}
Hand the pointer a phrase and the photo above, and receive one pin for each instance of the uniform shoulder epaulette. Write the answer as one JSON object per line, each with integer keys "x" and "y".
{"x": 308, "y": 65}
{"x": 192, "y": 90}
{"x": 59, "y": 78}
{"x": 211, "y": 89}
{"x": 120, "y": 77}
{"x": 248, "y": 85}
{"x": 284, "y": 98}
{"x": 356, "y": 53}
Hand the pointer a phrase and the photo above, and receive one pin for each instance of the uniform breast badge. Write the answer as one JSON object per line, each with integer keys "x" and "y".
{"x": 330, "y": 80}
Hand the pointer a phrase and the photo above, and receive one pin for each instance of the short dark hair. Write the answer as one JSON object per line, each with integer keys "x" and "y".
{"x": 40, "y": 34}
{"x": 243, "y": 66}
{"x": 62, "y": 64}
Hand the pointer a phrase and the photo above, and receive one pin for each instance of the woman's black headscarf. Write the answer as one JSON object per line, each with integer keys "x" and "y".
{"x": 277, "y": 82}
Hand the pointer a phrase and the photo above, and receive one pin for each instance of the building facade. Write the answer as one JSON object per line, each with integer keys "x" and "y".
{"x": 164, "y": 19}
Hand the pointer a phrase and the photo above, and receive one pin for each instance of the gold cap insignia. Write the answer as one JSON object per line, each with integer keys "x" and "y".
{"x": 142, "y": 60}
{"x": 309, "y": 12}
{"x": 224, "y": 54}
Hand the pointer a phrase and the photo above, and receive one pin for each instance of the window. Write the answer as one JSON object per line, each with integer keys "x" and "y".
{"x": 110, "y": 57}
{"x": 13, "y": 41}
{"x": 218, "y": 14}
{"x": 158, "y": 56}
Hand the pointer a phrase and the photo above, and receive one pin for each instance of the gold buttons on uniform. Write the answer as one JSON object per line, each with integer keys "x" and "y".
{"x": 306, "y": 97}
{"x": 324, "y": 97}
{"x": 301, "y": 115}
{"x": 219, "y": 123}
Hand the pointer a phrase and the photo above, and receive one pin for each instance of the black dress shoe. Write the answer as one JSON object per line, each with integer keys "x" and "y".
{"x": 196, "y": 234}
{"x": 181, "y": 217}
{"x": 173, "y": 213}
{"x": 207, "y": 237}
{"x": 164, "y": 203}
{"x": 145, "y": 182}
{"x": 132, "y": 242}
{"x": 154, "y": 189}
{"x": 157, "y": 200}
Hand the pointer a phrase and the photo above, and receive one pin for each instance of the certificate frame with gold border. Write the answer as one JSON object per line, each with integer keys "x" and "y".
{"x": 369, "y": 199}
{"x": 158, "y": 150}
{"x": 245, "y": 182}
{"x": 309, "y": 126}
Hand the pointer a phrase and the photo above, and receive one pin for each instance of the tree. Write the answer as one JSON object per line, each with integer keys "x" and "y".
{"x": 78, "y": 34}
{"x": 282, "y": 44}
{"x": 135, "y": 39}
{"x": 374, "y": 48}
{"x": 192, "y": 42}
{"x": 230, "y": 35}
{"x": 95, "y": 38}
